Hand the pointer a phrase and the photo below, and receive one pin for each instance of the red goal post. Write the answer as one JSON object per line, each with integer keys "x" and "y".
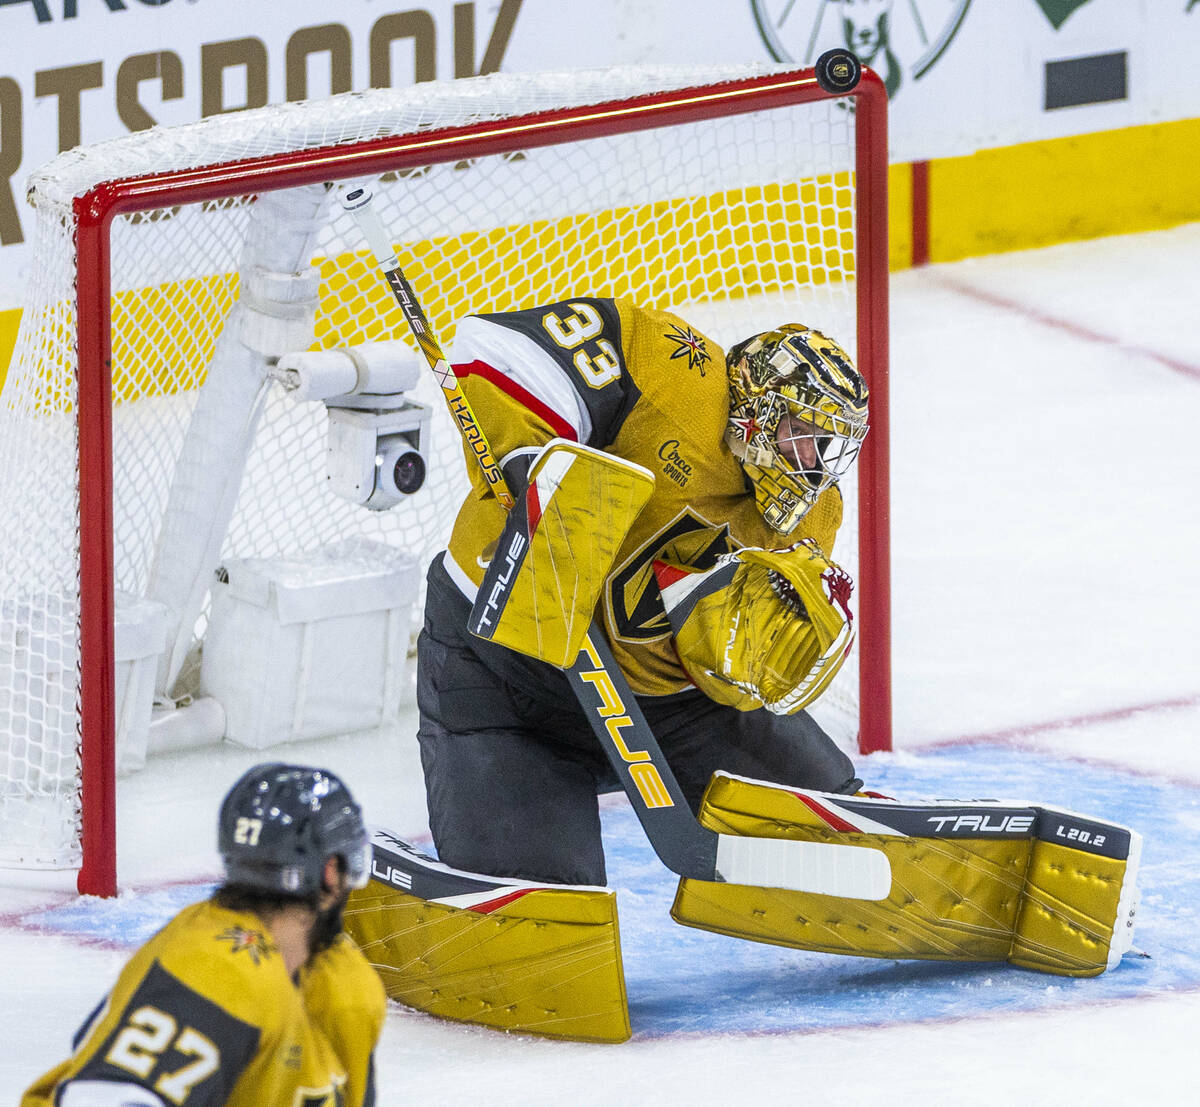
{"x": 496, "y": 202}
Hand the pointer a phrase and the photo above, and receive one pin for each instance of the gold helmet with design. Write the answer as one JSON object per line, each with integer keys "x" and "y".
{"x": 797, "y": 416}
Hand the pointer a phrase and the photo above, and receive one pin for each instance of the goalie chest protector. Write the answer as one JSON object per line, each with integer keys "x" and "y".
{"x": 646, "y": 386}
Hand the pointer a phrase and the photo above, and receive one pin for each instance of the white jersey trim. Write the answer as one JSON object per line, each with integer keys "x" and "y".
{"x": 457, "y": 574}
{"x": 523, "y": 361}
{"x": 106, "y": 1093}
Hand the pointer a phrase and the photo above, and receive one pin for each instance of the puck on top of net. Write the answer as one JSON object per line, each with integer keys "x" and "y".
{"x": 837, "y": 71}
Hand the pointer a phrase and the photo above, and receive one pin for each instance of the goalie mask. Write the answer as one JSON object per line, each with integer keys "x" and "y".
{"x": 797, "y": 416}
{"x": 280, "y": 823}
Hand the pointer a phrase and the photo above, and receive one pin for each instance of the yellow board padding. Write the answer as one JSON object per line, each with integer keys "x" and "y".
{"x": 10, "y": 322}
{"x": 163, "y": 337}
{"x": 1038, "y": 193}
{"x": 547, "y": 963}
{"x": 162, "y": 341}
{"x": 900, "y": 198}
{"x": 687, "y": 249}
{"x": 711, "y": 247}
{"x": 1038, "y": 904}
{"x": 579, "y": 506}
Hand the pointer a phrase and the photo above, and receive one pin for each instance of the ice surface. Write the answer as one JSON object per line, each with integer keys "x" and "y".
{"x": 1045, "y": 528}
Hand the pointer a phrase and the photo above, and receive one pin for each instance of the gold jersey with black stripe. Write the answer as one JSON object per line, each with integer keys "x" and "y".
{"x": 646, "y": 386}
{"x": 205, "y": 1013}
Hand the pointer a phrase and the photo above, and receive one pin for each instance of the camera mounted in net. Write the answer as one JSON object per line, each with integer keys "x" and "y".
{"x": 378, "y": 439}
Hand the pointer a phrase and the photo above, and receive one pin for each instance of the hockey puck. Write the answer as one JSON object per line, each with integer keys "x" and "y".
{"x": 838, "y": 71}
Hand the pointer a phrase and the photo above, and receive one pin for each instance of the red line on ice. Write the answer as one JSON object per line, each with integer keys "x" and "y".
{"x": 1077, "y": 330}
{"x": 1113, "y": 715}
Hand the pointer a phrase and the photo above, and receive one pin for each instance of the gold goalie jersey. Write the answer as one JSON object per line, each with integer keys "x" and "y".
{"x": 205, "y": 1014}
{"x": 641, "y": 384}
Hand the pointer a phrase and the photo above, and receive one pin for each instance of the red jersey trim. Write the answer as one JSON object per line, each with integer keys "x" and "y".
{"x": 561, "y": 428}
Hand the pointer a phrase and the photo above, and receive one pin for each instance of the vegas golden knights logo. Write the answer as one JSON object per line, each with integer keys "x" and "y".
{"x": 635, "y": 604}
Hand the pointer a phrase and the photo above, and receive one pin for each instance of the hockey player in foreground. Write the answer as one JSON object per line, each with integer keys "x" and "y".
{"x": 255, "y": 996}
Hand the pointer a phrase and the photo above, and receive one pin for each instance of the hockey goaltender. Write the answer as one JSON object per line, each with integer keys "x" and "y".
{"x": 681, "y": 502}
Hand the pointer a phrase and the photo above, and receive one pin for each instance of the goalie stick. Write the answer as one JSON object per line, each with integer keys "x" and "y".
{"x": 681, "y": 843}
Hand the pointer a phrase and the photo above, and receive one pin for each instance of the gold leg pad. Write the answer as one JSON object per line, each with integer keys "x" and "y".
{"x": 1067, "y": 916}
{"x": 548, "y": 962}
{"x": 955, "y": 896}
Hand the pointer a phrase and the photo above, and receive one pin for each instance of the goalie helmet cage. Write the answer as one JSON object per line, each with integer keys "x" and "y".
{"x": 738, "y": 196}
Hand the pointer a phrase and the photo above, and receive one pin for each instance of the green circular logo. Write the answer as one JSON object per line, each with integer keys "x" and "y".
{"x": 898, "y": 39}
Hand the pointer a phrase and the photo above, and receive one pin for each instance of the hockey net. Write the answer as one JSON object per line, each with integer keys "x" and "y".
{"x": 738, "y": 197}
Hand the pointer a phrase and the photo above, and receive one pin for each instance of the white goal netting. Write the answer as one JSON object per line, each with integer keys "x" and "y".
{"x": 735, "y": 218}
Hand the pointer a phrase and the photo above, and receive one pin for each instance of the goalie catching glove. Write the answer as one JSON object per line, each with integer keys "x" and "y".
{"x": 762, "y": 628}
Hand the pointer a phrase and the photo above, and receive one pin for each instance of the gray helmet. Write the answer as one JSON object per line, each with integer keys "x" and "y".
{"x": 280, "y": 823}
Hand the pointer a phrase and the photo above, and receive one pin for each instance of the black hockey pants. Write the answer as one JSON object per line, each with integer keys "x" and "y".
{"x": 512, "y": 769}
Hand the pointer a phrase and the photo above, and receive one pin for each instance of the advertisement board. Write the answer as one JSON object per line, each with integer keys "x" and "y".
{"x": 963, "y": 75}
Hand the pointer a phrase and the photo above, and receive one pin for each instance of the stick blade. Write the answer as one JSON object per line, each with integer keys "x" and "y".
{"x": 853, "y": 872}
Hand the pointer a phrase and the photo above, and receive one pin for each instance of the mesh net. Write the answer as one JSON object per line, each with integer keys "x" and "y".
{"x": 737, "y": 222}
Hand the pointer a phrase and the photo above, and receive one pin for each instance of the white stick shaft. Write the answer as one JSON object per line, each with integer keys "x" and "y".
{"x": 357, "y": 200}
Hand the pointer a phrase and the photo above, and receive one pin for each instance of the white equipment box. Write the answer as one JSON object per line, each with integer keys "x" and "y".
{"x": 139, "y": 636}
{"x": 310, "y": 646}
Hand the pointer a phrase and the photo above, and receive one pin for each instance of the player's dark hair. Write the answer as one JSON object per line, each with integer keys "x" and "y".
{"x": 249, "y": 897}
{"x": 326, "y": 927}
{"x": 243, "y": 897}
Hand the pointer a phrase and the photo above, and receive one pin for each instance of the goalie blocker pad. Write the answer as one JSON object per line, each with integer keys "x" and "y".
{"x": 540, "y": 591}
{"x": 502, "y": 953}
{"x": 972, "y": 880}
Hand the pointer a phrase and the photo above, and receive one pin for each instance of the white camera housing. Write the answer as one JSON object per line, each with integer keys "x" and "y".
{"x": 376, "y": 452}
{"x": 376, "y": 457}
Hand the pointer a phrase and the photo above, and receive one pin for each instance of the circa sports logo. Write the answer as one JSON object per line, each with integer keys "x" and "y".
{"x": 897, "y": 40}
{"x": 675, "y": 467}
